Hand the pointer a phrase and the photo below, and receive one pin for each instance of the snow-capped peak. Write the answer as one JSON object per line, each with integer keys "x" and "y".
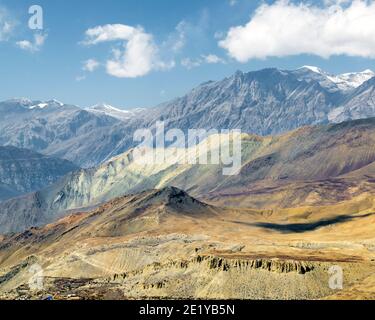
{"x": 368, "y": 71}
{"x": 106, "y": 109}
{"x": 351, "y": 80}
{"x": 39, "y": 106}
{"x": 345, "y": 81}
{"x": 45, "y": 104}
{"x": 21, "y": 101}
{"x": 313, "y": 69}
{"x": 56, "y": 102}
{"x": 35, "y": 104}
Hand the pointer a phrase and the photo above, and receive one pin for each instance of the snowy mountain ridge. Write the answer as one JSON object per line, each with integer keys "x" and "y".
{"x": 345, "y": 81}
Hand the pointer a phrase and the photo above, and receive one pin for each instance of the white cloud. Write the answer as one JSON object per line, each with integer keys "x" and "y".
{"x": 138, "y": 56}
{"x": 177, "y": 39}
{"x": 190, "y": 35}
{"x": 110, "y": 32}
{"x": 284, "y": 28}
{"x": 25, "y": 45}
{"x": 336, "y": 2}
{"x": 212, "y": 58}
{"x": 232, "y": 2}
{"x": 35, "y": 45}
{"x": 189, "y": 63}
{"x": 90, "y": 65}
{"x": 136, "y": 60}
{"x": 7, "y": 24}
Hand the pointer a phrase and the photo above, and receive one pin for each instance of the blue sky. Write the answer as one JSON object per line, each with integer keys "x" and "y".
{"x": 182, "y": 44}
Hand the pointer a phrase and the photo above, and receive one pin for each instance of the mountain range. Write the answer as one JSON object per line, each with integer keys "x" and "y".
{"x": 101, "y": 223}
{"x": 303, "y": 167}
{"x": 59, "y": 130}
{"x": 264, "y": 102}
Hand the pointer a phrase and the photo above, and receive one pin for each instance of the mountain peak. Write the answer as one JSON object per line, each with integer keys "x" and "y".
{"x": 352, "y": 79}
{"x": 27, "y": 103}
{"x": 173, "y": 198}
{"x": 238, "y": 73}
{"x": 55, "y": 101}
{"x": 111, "y": 111}
{"x": 103, "y": 106}
{"x": 45, "y": 104}
{"x": 171, "y": 192}
{"x": 368, "y": 71}
{"x": 313, "y": 69}
{"x": 343, "y": 82}
{"x": 21, "y": 101}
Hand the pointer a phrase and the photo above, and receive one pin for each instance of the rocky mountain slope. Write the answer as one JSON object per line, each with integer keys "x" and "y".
{"x": 358, "y": 105}
{"x": 166, "y": 244}
{"x": 303, "y": 167}
{"x": 23, "y": 171}
{"x": 268, "y": 101}
{"x": 59, "y": 130}
{"x": 303, "y": 200}
{"x": 264, "y": 102}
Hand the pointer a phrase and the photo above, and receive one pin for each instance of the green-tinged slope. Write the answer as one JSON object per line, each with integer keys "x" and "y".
{"x": 321, "y": 155}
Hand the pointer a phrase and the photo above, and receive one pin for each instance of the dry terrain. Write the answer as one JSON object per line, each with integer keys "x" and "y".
{"x": 166, "y": 244}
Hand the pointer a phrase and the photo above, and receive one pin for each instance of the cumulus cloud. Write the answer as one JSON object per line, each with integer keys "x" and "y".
{"x": 284, "y": 28}
{"x": 33, "y": 46}
{"x": 90, "y": 65}
{"x": 139, "y": 53}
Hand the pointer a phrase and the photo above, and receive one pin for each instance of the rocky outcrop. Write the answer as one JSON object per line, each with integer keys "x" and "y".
{"x": 271, "y": 265}
{"x": 218, "y": 264}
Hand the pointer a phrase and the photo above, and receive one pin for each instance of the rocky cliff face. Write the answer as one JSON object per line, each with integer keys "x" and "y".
{"x": 359, "y": 104}
{"x": 264, "y": 102}
{"x": 23, "y": 171}
{"x": 225, "y": 264}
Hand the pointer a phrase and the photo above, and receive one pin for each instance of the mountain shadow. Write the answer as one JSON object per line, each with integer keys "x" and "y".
{"x": 311, "y": 226}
